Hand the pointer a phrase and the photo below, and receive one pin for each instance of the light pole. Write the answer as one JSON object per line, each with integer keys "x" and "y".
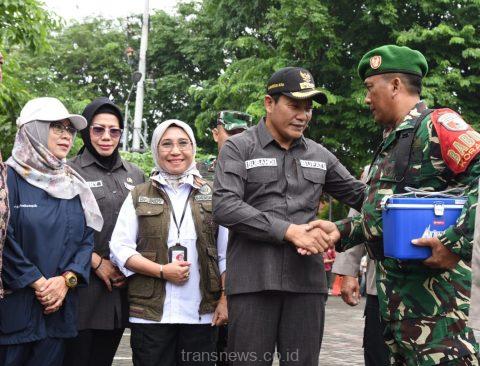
{"x": 137, "y": 123}
{"x": 136, "y": 76}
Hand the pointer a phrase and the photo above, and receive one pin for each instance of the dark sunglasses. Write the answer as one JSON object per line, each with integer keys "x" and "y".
{"x": 114, "y": 132}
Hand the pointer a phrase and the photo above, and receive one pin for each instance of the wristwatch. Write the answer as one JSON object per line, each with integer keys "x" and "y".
{"x": 71, "y": 279}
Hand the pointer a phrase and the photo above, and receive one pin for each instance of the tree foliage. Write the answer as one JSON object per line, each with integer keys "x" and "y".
{"x": 23, "y": 24}
{"x": 218, "y": 54}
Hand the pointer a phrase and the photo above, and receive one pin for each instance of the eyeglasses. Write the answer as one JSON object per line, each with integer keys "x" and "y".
{"x": 114, "y": 132}
{"x": 168, "y": 145}
{"x": 59, "y": 128}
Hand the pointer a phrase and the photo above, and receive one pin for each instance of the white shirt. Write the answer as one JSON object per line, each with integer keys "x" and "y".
{"x": 181, "y": 301}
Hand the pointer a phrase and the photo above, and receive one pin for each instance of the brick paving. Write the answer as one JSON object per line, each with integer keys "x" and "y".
{"x": 342, "y": 340}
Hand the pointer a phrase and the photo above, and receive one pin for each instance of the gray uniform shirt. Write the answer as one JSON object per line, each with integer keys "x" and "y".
{"x": 259, "y": 190}
{"x": 99, "y": 308}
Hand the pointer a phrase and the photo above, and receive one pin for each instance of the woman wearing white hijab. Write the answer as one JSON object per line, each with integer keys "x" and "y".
{"x": 166, "y": 243}
{"x": 49, "y": 239}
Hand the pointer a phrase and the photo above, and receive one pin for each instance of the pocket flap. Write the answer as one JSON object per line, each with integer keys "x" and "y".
{"x": 148, "y": 209}
{"x": 98, "y": 192}
{"x": 314, "y": 175}
{"x": 262, "y": 175}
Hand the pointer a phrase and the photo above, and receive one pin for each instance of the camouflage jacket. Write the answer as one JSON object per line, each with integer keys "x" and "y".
{"x": 409, "y": 289}
{"x": 3, "y": 213}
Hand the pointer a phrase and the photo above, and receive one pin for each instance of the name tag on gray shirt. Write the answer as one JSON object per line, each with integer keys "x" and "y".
{"x": 255, "y": 163}
{"x": 95, "y": 184}
{"x": 313, "y": 164}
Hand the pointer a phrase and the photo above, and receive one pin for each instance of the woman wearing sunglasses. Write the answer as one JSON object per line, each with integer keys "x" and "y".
{"x": 103, "y": 312}
{"x": 49, "y": 238}
{"x": 166, "y": 243}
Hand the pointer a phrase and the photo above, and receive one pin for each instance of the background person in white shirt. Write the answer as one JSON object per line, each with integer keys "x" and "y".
{"x": 173, "y": 305}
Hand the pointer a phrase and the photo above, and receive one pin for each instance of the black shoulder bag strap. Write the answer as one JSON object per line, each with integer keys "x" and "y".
{"x": 404, "y": 148}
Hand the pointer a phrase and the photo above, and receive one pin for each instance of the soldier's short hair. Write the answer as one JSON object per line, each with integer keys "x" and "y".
{"x": 413, "y": 83}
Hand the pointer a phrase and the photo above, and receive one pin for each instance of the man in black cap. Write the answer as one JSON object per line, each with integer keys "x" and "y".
{"x": 268, "y": 184}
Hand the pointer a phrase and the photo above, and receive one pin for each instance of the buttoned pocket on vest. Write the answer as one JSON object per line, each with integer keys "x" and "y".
{"x": 148, "y": 219}
{"x": 141, "y": 286}
{"x": 213, "y": 270}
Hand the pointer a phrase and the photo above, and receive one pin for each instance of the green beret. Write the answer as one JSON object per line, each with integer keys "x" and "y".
{"x": 391, "y": 58}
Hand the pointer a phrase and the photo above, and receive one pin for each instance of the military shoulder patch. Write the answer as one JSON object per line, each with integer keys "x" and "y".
{"x": 459, "y": 142}
{"x": 205, "y": 189}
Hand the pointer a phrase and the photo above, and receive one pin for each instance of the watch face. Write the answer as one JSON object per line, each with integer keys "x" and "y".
{"x": 72, "y": 280}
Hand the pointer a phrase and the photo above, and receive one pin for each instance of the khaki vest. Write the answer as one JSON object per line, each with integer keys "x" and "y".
{"x": 147, "y": 294}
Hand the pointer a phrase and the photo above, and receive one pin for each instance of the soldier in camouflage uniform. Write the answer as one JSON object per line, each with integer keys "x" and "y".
{"x": 425, "y": 304}
{"x": 3, "y": 199}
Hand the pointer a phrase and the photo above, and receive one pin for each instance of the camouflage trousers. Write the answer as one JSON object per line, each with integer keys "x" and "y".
{"x": 437, "y": 340}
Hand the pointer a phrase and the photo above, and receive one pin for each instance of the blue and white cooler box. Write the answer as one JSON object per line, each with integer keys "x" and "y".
{"x": 405, "y": 219}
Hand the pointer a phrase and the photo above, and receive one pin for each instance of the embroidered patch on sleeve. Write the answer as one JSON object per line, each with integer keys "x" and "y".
{"x": 459, "y": 142}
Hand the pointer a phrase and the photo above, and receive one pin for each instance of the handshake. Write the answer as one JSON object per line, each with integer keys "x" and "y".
{"x": 313, "y": 238}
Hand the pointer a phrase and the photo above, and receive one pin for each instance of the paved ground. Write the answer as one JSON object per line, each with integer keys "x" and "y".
{"x": 342, "y": 341}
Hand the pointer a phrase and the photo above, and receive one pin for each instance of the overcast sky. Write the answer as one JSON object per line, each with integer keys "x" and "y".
{"x": 79, "y": 9}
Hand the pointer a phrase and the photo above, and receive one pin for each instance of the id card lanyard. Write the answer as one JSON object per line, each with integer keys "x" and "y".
{"x": 177, "y": 224}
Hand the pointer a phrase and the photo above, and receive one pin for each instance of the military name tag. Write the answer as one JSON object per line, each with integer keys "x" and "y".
{"x": 151, "y": 200}
{"x": 313, "y": 164}
{"x": 95, "y": 184}
{"x": 255, "y": 163}
{"x": 203, "y": 197}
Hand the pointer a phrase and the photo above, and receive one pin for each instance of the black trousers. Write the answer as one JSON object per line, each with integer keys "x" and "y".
{"x": 46, "y": 352}
{"x": 222, "y": 359}
{"x": 92, "y": 347}
{"x": 375, "y": 350}
{"x": 292, "y": 321}
{"x": 173, "y": 344}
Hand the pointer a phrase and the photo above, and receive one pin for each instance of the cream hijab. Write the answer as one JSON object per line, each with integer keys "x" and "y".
{"x": 161, "y": 175}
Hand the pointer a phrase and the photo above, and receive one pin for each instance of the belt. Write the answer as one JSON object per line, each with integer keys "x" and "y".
{"x": 375, "y": 249}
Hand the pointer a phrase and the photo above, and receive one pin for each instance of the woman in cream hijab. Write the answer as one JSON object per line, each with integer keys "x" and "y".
{"x": 168, "y": 246}
{"x": 49, "y": 239}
